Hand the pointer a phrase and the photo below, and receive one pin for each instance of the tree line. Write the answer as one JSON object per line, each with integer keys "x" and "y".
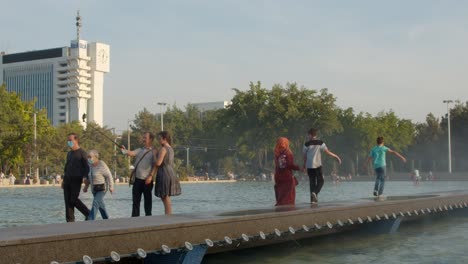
{"x": 240, "y": 139}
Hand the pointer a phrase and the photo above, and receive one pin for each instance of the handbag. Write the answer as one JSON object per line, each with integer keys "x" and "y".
{"x": 99, "y": 188}
{"x": 131, "y": 181}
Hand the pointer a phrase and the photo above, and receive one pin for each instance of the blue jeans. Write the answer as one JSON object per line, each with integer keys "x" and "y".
{"x": 379, "y": 180}
{"x": 98, "y": 204}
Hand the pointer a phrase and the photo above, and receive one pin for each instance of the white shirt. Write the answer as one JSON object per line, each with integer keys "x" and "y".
{"x": 313, "y": 149}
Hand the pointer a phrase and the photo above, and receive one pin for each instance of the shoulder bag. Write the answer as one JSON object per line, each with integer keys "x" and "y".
{"x": 133, "y": 173}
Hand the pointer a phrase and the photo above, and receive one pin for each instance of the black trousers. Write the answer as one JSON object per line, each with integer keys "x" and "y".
{"x": 139, "y": 188}
{"x": 315, "y": 180}
{"x": 71, "y": 192}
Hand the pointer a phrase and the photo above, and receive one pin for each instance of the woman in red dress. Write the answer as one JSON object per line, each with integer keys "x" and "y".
{"x": 285, "y": 182}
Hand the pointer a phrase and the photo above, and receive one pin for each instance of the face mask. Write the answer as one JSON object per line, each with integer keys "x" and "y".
{"x": 90, "y": 161}
{"x": 70, "y": 144}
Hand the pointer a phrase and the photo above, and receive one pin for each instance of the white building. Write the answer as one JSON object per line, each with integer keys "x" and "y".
{"x": 202, "y": 107}
{"x": 67, "y": 81}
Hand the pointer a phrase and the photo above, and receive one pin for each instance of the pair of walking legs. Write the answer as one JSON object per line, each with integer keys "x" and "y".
{"x": 98, "y": 205}
{"x": 316, "y": 182}
{"x": 71, "y": 192}
{"x": 379, "y": 181}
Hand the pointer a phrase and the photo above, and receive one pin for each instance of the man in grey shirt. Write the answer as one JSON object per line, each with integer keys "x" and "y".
{"x": 144, "y": 160}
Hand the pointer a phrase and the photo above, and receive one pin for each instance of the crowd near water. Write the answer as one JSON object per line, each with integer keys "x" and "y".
{"x": 154, "y": 167}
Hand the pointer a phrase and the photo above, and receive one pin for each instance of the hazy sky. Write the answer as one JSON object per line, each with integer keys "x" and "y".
{"x": 373, "y": 55}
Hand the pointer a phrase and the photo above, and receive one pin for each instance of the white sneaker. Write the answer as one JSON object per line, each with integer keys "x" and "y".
{"x": 381, "y": 198}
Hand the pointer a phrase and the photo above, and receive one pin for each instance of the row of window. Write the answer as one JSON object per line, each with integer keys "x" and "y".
{"x": 32, "y": 82}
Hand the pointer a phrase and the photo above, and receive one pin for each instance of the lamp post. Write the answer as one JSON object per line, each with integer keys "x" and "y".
{"x": 188, "y": 157}
{"x": 448, "y": 102}
{"x": 128, "y": 139}
{"x": 115, "y": 153}
{"x": 36, "y": 170}
{"x": 162, "y": 104}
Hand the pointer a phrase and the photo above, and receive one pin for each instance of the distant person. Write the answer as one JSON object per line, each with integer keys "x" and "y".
{"x": 167, "y": 183}
{"x": 285, "y": 182}
{"x": 431, "y": 176}
{"x": 100, "y": 180}
{"x": 378, "y": 155}
{"x": 28, "y": 179}
{"x": 76, "y": 170}
{"x": 2, "y": 176}
{"x": 417, "y": 177}
{"x": 313, "y": 163}
{"x": 144, "y": 160}
{"x": 12, "y": 178}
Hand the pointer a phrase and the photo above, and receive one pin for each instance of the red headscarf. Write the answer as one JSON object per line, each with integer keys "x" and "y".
{"x": 282, "y": 144}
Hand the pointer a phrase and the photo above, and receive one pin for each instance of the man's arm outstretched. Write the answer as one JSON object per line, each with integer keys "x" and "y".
{"x": 331, "y": 154}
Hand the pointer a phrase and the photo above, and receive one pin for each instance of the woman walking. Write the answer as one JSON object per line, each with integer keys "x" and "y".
{"x": 167, "y": 183}
{"x": 285, "y": 182}
{"x": 100, "y": 179}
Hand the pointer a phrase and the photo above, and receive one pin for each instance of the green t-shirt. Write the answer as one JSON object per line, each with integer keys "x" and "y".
{"x": 378, "y": 155}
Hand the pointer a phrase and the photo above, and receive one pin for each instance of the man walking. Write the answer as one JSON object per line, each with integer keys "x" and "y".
{"x": 313, "y": 163}
{"x": 76, "y": 169}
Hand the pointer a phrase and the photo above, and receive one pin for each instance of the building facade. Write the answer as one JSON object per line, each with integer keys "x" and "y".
{"x": 68, "y": 82}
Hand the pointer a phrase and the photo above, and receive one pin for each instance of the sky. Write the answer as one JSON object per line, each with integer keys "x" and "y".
{"x": 405, "y": 56}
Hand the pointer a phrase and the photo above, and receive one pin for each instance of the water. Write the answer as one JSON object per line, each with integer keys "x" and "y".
{"x": 443, "y": 241}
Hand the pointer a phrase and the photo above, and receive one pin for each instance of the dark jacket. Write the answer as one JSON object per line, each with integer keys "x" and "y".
{"x": 76, "y": 166}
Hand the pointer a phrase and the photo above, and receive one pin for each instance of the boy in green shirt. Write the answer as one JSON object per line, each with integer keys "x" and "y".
{"x": 378, "y": 155}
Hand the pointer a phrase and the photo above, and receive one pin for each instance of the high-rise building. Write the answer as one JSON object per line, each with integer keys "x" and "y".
{"x": 67, "y": 81}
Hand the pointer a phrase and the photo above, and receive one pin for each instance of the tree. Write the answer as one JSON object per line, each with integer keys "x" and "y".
{"x": 257, "y": 117}
{"x": 17, "y": 130}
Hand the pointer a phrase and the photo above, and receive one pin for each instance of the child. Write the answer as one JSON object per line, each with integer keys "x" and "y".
{"x": 377, "y": 154}
{"x": 313, "y": 163}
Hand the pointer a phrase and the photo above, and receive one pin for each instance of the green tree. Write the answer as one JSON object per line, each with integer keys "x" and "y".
{"x": 17, "y": 131}
{"x": 257, "y": 117}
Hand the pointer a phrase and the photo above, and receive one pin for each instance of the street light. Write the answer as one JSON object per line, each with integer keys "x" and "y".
{"x": 128, "y": 139}
{"x": 36, "y": 171}
{"x": 162, "y": 104}
{"x": 448, "y": 102}
{"x": 115, "y": 152}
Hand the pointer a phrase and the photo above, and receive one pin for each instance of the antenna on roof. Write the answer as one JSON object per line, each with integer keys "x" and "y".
{"x": 78, "y": 25}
